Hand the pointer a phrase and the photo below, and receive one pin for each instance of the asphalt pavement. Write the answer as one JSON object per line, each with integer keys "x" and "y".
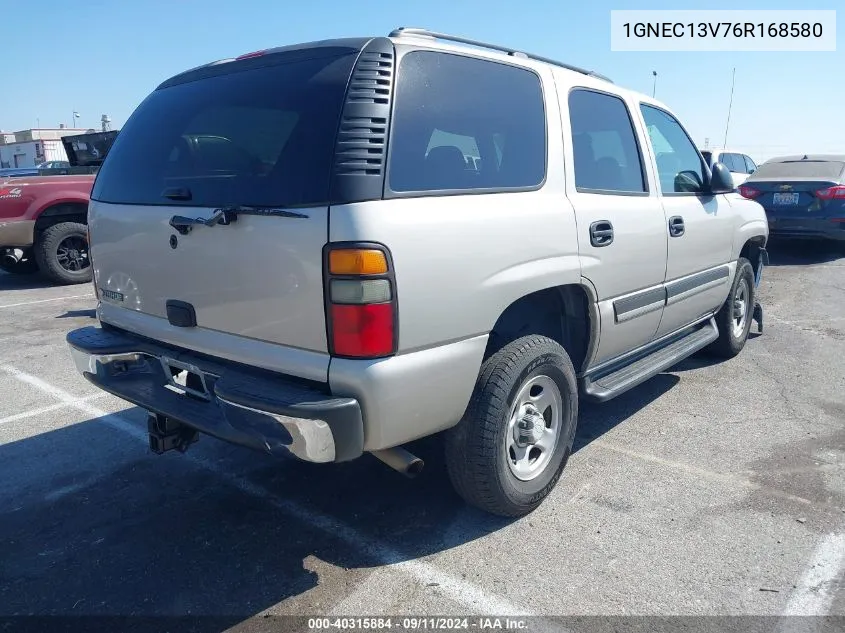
{"x": 713, "y": 489}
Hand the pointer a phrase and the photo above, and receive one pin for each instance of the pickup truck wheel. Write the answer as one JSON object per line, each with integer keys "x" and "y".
{"x": 62, "y": 253}
{"x": 26, "y": 265}
{"x": 734, "y": 319}
{"x": 507, "y": 453}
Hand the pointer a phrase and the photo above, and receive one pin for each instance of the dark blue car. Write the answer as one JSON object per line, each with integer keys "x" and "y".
{"x": 804, "y": 196}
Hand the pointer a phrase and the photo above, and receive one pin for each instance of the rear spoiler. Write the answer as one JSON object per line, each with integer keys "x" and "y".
{"x": 88, "y": 150}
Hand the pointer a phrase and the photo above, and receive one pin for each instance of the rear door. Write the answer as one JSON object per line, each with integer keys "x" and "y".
{"x": 621, "y": 229}
{"x": 260, "y": 134}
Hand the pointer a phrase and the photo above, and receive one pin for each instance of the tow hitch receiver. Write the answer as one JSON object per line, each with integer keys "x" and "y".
{"x": 167, "y": 434}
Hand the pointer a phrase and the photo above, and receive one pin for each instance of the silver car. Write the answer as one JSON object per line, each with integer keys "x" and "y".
{"x": 335, "y": 248}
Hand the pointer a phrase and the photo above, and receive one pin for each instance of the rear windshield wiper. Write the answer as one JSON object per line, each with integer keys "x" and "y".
{"x": 227, "y": 215}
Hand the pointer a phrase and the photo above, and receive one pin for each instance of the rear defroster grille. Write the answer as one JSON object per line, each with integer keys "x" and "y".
{"x": 361, "y": 149}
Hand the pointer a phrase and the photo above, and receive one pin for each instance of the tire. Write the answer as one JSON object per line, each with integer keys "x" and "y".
{"x": 52, "y": 249}
{"x": 732, "y": 338}
{"x": 478, "y": 456}
{"x": 26, "y": 266}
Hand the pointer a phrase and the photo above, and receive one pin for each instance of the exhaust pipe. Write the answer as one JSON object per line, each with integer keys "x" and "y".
{"x": 400, "y": 460}
{"x": 12, "y": 256}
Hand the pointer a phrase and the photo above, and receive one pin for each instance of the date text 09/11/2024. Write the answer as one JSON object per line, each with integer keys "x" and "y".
{"x": 415, "y": 623}
{"x": 723, "y": 29}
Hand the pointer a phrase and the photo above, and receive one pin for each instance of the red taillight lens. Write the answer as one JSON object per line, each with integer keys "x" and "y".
{"x": 362, "y": 330}
{"x": 831, "y": 193}
{"x": 749, "y": 192}
{"x": 361, "y": 301}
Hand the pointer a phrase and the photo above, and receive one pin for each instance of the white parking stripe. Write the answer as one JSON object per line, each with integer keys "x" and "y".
{"x": 53, "y": 407}
{"x": 29, "y": 303}
{"x": 813, "y": 594}
{"x": 452, "y": 587}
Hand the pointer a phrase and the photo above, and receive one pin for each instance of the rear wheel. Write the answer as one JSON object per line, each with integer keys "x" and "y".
{"x": 62, "y": 253}
{"x": 734, "y": 319}
{"x": 508, "y": 452}
{"x": 26, "y": 265}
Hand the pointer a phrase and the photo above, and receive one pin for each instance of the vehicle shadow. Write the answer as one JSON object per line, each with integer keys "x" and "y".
{"x": 802, "y": 252}
{"x": 75, "y": 314}
{"x": 9, "y": 281}
{"x": 93, "y": 524}
{"x": 596, "y": 419}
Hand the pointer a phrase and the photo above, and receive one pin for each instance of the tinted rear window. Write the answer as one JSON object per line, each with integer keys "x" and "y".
{"x": 800, "y": 169}
{"x": 263, "y": 136}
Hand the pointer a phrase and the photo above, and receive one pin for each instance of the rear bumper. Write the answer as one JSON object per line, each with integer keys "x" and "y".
{"x": 245, "y": 406}
{"x": 17, "y": 233}
{"x": 806, "y": 228}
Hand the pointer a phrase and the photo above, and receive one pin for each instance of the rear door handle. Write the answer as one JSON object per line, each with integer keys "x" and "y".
{"x": 676, "y": 226}
{"x": 601, "y": 233}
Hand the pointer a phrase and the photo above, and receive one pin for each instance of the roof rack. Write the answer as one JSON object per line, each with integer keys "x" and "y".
{"x": 405, "y": 31}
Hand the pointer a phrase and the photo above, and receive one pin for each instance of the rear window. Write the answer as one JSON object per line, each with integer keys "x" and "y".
{"x": 263, "y": 136}
{"x": 828, "y": 170}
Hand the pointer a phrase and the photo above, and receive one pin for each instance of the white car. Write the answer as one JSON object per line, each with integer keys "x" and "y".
{"x": 739, "y": 164}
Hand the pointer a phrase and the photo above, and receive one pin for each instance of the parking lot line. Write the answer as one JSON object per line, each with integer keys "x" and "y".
{"x": 29, "y": 303}
{"x": 813, "y": 594}
{"x": 452, "y": 587}
{"x": 53, "y": 407}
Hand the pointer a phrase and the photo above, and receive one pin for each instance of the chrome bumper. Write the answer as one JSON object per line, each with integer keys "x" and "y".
{"x": 263, "y": 411}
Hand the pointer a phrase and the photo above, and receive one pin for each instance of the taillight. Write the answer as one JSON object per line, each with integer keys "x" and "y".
{"x": 831, "y": 193}
{"x": 361, "y": 301}
{"x": 749, "y": 192}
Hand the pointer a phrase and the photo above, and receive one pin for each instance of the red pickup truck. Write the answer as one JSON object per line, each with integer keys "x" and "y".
{"x": 43, "y": 218}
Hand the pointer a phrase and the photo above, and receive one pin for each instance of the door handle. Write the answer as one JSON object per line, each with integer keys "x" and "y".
{"x": 676, "y": 226}
{"x": 601, "y": 233}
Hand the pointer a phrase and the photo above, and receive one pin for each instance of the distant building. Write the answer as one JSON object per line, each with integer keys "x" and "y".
{"x": 28, "y": 148}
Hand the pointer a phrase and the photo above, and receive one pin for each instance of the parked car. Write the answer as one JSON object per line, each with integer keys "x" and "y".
{"x": 331, "y": 276}
{"x": 803, "y": 195}
{"x": 739, "y": 164}
{"x": 43, "y": 219}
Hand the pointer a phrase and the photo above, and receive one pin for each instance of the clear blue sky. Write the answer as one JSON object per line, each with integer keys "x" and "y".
{"x": 104, "y": 56}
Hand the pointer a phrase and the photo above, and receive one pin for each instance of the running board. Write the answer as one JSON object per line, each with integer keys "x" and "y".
{"x": 607, "y": 386}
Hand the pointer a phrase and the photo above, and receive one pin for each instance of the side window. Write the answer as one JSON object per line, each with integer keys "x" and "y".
{"x": 462, "y": 123}
{"x": 750, "y": 166}
{"x": 679, "y": 165}
{"x": 738, "y": 164}
{"x": 727, "y": 160}
{"x": 604, "y": 146}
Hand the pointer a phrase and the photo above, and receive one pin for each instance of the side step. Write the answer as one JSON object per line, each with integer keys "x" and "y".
{"x": 603, "y": 387}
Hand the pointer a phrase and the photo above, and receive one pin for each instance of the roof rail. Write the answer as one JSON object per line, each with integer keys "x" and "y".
{"x": 406, "y": 31}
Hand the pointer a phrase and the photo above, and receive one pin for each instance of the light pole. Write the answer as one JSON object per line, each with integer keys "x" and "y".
{"x": 654, "y": 85}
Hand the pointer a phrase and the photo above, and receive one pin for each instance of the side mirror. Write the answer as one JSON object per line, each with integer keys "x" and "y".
{"x": 721, "y": 180}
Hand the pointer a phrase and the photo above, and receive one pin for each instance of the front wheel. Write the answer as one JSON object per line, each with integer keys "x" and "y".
{"x": 734, "y": 319}
{"x": 507, "y": 453}
{"x": 62, "y": 253}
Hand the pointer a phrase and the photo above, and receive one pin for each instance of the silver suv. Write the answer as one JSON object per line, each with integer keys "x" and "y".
{"x": 339, "y": 247}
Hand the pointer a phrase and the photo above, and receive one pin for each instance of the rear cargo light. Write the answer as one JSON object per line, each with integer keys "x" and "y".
{"x": 749, "y": 192}
{"x": 360, "y": 302}
{"x": 831, "y": 193}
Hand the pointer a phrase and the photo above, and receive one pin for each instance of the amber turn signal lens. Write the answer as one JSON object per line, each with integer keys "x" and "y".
{"x": 357, "y": 261}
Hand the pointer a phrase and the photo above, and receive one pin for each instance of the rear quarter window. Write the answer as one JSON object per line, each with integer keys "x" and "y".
{"x": 263, "y": 136}
{"x": 465, "y": 124}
